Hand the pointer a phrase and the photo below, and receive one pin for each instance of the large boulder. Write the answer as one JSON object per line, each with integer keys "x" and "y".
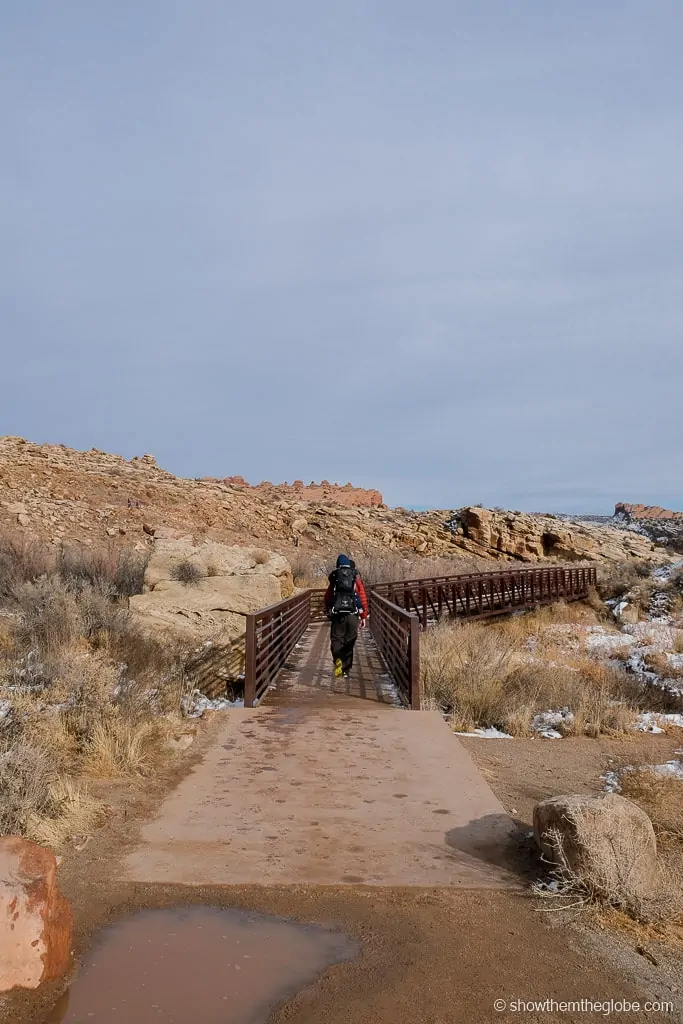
{"x": 223, "y": 584}
{"x": 36, "y": 923}
{"x": 607, "y": 841}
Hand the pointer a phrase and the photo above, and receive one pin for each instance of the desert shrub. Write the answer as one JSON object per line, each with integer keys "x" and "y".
{"x": 308, "y": 566}
{"x": 618, "y": 579}
{"x": 186, "y": 572}
{"x": 35, "y": 800}
{"x": 47, "y": 616}
{"x": 609, "y": 881}
{"x": 480, "y": 675}
{"x": 22, "y": 560}
{"x": 119, "y": 571}
{"x": 120, "y": 746}
{"x": 261, "y": 556}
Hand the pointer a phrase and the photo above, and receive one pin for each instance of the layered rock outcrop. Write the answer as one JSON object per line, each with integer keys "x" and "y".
{"x": 533, "y": 538}
{"x": 203, "y": 591}
{"x": 346, "y": 495}
{"x": 622, "y": 508}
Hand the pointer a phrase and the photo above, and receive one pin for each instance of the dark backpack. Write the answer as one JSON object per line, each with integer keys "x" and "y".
{"x": 344, "y": 591}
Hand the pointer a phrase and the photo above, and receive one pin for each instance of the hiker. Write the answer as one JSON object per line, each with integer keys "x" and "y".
{"x": 346, "y": 606}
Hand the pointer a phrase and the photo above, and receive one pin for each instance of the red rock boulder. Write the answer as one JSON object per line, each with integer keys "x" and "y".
{"x": 36, "y": 923}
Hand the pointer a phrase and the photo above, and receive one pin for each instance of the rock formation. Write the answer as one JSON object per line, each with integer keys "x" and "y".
{"x": 532, "y": 538}
{"x": 346, "y": 495}
{"x": 622, "y": 508}
{"x": 203, "y": 591}
{"x": 36, "y": 923}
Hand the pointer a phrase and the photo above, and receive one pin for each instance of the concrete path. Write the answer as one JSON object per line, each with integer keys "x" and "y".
{"x": 329, "y": 783}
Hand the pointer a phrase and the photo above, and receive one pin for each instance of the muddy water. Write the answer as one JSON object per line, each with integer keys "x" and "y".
{"x": 197, "y": 964}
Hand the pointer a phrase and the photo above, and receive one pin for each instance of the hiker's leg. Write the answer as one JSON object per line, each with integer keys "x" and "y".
{"x": 351, "y": 635}
{"x": 337, "y": 636}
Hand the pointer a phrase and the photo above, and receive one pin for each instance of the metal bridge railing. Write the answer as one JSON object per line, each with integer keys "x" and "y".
{"x": 480, "y": 595}
{"x": 271, "y": 635}
{"x": 397, "y": 635}
{"x": 397, "y": 610}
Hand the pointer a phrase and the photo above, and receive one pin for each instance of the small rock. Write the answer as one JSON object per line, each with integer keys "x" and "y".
{"x": 111, "y": 531}
{"x": 23, "y": 519}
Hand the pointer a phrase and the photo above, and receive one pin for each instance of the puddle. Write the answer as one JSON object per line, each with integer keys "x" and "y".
{"x": 200, "y": 964}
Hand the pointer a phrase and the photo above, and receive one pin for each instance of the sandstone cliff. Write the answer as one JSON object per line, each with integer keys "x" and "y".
{"x": 90, "y": 497}
{"x": 348, "y": 495}
{"x": 622, "y": 508}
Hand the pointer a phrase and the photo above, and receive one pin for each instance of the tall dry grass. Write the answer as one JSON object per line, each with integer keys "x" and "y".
{"x": 482, "y": 675}
{"x": 83, "y": 692}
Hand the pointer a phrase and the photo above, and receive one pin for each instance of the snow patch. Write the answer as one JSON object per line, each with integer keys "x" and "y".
{"x": 545, "y": 724}
{"x": 196, "y": 704}
{"x": 489, "y": 733}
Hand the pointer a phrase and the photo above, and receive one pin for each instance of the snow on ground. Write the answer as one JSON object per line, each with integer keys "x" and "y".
{"x": 490, "y": 733}
{"x": 653, "y": 721}
{"x": 386, "y": 689}
{"x": 196, "y": 704}
{"x": 670, "y": 769}
{"x": 545, "y": 724}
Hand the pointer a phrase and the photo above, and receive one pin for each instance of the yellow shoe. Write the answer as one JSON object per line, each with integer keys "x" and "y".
{"x": 338, "y": 667}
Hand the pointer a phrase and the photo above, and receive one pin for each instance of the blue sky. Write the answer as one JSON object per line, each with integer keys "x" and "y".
{"x": 432, "y": 248}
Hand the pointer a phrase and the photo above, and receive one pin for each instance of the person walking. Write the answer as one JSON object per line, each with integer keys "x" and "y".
{"x": 346, "y": 605}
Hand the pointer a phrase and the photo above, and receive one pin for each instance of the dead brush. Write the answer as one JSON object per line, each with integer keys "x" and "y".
{"x": 37, "y": 801}
{"x": 617, "y": 580}
{"x": 464, "y": 672}
{"x": 611, "y": 876}
{"x": 186, "y": 572}
{"x": 22, "y": 560}
{"x": 47, "y": 616}
{"x": 608, "y": 882}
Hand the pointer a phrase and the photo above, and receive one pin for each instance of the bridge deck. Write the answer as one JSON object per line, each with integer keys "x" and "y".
{"x": 308, "y": 677}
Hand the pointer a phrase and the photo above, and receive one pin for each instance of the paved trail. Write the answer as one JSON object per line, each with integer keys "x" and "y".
{"x": 330, "y": 784}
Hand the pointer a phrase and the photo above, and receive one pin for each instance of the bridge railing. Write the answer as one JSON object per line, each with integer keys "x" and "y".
{"x": 397, "y": 635}
{"x": 480, "y": 595}
{"x": 397, "y": 610}
{"x": 271, "y": 635}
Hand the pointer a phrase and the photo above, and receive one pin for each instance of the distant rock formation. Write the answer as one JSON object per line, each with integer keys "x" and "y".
{"x": 645, "y": 511}
{"x": 336, "y": 494}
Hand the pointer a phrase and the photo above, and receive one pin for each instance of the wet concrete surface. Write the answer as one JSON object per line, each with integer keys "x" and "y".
{"x": 206, "y": 965}
{"x": 329, "y": 796}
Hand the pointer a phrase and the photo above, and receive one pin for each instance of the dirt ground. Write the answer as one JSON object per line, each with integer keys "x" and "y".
{"x": 429, "y": 956}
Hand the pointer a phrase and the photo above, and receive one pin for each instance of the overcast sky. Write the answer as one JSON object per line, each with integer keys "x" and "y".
{"x": 432, "y": 247}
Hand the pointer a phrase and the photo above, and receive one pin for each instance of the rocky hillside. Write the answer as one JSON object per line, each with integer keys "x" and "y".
{"x": 90, "y": 497}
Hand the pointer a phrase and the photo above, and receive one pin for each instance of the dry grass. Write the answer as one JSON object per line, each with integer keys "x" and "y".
{"x": 89, "y": 695}
{"x": 615, "y": 580}
{"x": 261, "y": 556}
{"x": 482, "y": 675}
